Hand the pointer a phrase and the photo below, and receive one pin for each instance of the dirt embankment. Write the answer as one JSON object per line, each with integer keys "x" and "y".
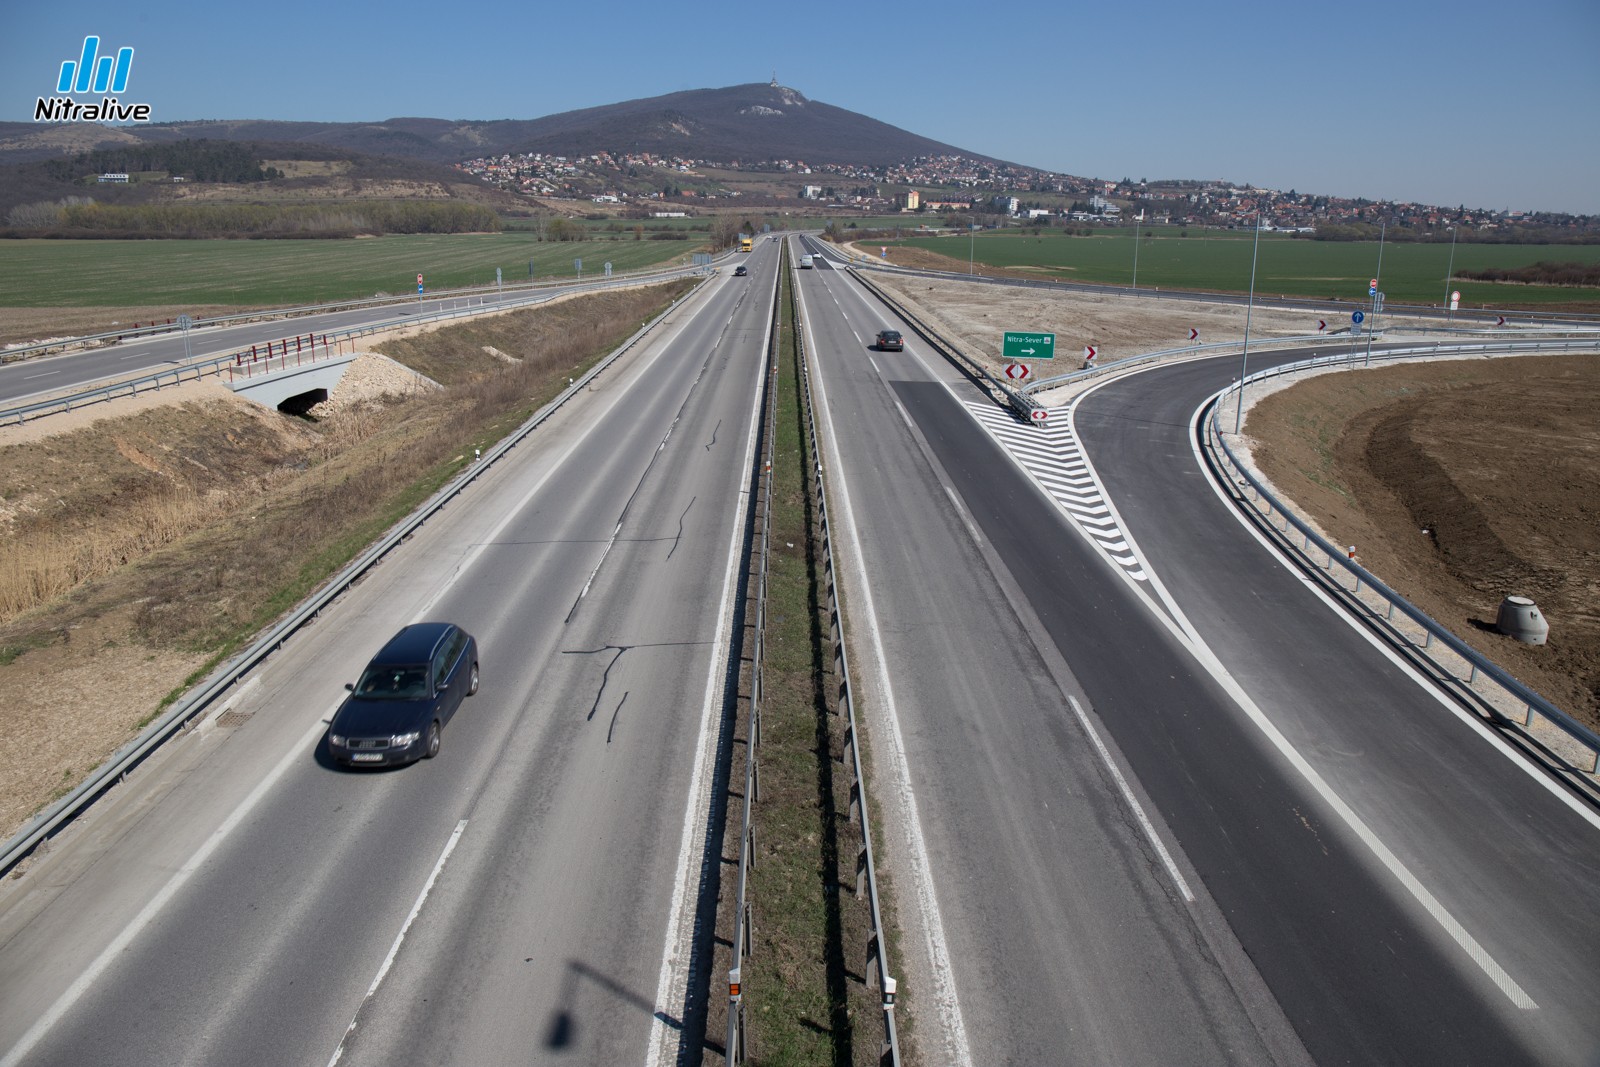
{"x": 143, "y": 539}
{"x": 1461, "y": 483}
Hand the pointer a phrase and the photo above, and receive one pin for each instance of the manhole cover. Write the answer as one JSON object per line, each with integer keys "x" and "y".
{"x": 234, "y": 718}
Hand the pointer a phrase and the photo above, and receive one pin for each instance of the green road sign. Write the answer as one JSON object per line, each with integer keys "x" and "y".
{"x": 1022, "y": 347}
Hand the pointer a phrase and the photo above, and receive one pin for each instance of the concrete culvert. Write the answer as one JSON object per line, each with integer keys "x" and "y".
{"x": 1521, "y": 618}
{"x": 302, "y": 403}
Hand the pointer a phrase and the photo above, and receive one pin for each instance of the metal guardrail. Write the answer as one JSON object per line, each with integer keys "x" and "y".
{"x": 1026, "y": 407}
{"x": 1497, "y": 693}
{"x": 1568, "y": 339}
{"x": 214, "y": 365}
{"x": 157, "y": 329}
{"x": 877, "y": 964}
{"x": 1326, "y": 305}
{"x": 125, "y": 759}
{"x": 744, "y": 921}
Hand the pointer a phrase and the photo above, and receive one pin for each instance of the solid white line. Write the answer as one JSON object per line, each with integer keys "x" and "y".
{"x": 672, "y": 982}
{"x": 394, "y": 949}
{"x": 947, "y": 1016}
{"x": 76, "y": 990}
{"x": 1127, "y": 794}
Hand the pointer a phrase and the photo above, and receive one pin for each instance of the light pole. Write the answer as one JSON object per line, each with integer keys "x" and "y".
{"x": 1377, "y": 276}
{"x": 1449, "y": 270}
{"x": 1244, "y": 359}
{"x": 1136, "y": 222}
{"x": 972, "y": 245}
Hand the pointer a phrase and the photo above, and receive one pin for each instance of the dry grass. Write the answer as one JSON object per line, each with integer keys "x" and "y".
{"x": 151, "y": 545}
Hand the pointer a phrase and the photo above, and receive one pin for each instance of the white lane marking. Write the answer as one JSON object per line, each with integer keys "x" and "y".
{"x": 1127, "y": 794}
{"x": 46, "y": 374}
{"x": 948, "y": 1019}
{"x": 1441, "y": 915}
{"x": 66, "y": 1000}
{"x": 672, "y": 982}
{"x": 1427, "y": 685}
{"x": 394, "y": 949}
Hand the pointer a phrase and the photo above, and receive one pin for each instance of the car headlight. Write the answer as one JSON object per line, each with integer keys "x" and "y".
{"x": 403, "y": 740}
{"x": 337, "y": 739}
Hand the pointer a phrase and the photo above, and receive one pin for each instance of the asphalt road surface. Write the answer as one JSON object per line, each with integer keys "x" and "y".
{"x": 527, "y": 897}
{"x": 1309, "y": 858}
{"x": 42, "y": 376}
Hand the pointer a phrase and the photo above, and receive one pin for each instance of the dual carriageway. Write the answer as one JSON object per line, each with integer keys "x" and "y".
{"x": 1146, "y": 798}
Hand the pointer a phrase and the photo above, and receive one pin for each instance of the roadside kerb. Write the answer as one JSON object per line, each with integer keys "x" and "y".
{"x": 217, "y": 364}
{"x": 1495, "y": 693}
{"x": 221, "y": 680}
{"x": 877, "y": 962}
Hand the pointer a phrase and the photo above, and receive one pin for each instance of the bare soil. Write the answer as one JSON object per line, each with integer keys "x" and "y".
{"x": 143, "y": 540}
{"x": 1461, "y": 483}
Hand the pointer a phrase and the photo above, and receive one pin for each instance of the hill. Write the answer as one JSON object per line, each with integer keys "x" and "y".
{"x": 751, "y": 123}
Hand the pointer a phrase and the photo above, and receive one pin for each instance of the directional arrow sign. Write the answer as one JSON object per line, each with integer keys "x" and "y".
{"x": 1039, "y": 414}
{"x": 1194, "y": 334}
{"x": 1322, "y": 324}
{"x": 1019, "y": 346}
{"x": 1017, "y": 371}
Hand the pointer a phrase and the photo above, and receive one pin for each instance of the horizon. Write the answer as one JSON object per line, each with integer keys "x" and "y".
{"x": 1094, "y": 105}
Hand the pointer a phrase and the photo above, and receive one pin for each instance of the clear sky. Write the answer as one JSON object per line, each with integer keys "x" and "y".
{"x": 1487, "y": 104}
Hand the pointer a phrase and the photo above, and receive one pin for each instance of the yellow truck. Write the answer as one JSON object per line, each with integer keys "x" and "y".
{"x": 746, "y": 243}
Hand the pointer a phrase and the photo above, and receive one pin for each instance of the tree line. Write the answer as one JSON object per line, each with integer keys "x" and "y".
{"x": 1541, "y": 273}
{"x": 81, "y": 217}
{"x": 201, "y": 161}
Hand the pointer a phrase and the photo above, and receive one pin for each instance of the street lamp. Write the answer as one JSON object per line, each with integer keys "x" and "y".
{"x": 1449, "y": 270}
{"x": 1377, "y": 276}
{"x": 1138, "y": 219}
{"x": 1244, "y": 359}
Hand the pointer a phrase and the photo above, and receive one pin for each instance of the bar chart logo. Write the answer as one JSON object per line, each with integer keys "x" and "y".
{"x": 94, "y": 73}
{"x": 75, "y": 75}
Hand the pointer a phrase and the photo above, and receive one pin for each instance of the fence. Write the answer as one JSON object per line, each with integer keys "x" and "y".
{"x": 1493, "y": 691}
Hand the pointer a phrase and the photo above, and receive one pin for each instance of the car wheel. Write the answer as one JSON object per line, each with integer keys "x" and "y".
{"x": 472, "y": 683}
{"x": 433, "y": 741}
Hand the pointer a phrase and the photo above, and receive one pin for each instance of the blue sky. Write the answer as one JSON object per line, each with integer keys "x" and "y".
{"x": 1490, "y": 105}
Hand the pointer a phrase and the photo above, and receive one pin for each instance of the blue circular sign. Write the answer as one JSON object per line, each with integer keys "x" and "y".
{"x": 1357, "y": 316}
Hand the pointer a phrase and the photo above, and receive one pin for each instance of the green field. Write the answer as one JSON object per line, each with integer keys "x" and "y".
{"x": 48, "y": 273}
{"x": 1208, "y": 260}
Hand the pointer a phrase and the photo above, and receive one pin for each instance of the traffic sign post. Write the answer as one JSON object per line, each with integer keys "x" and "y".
{"x": 1039, "y": 416}
{"x": 577, "y": 265}
{"x": 1016, "y": 346}
{"x": 1017, "y": 372}
{"x": 184, "y": 322}
{"x": 608, "y": 268}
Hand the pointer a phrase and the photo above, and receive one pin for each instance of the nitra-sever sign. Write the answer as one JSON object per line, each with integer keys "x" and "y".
{"x": 92, "y": 73}
{"x": 1019, "y": 347}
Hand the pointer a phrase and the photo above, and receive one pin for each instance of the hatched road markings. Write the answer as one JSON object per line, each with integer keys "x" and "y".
{"x": 1051, "y": 454}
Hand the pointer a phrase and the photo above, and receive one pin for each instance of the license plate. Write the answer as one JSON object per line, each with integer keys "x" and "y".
{"x": 366, "y": 757}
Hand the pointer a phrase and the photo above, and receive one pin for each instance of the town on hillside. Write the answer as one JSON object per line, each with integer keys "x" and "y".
{"x": 644, "y": 185}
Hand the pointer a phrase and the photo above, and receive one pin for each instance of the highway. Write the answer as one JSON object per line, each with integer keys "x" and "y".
{"x": 530, "y": 896}
{"x": 48, "y": 375}
{"x": 1149, "y": 799}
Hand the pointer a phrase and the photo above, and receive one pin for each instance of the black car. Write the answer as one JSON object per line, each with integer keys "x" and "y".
{"x": 740, "y": 272}
{"x": 396, "y": 711}
{"x": 890, "y": 341}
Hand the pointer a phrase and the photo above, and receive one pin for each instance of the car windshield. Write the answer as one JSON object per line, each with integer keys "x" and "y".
{"x": 890, "y": 335}
{"x": 393, "y": 682}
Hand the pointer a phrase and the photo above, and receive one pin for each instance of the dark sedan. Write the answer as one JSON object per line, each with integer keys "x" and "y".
{"x": 890, "y": 341}
{"x": 397, "y": 710}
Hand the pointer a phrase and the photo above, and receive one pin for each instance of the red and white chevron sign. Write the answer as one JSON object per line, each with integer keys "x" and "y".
{"x": 1322, "y": 324}
{"x": 1039, "y": 414}
{"x": 1502, "y": 321}
{"x": 1089, "y": 352}
{"x": 1194, "y": 334}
